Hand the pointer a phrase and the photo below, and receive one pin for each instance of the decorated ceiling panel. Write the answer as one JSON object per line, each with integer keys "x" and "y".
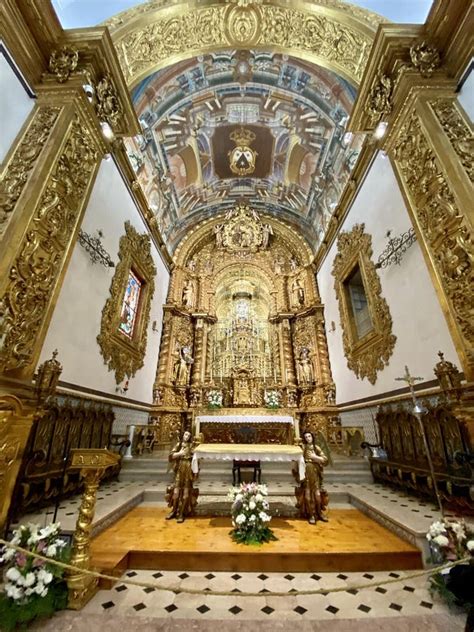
{"x": 250, "y": 126}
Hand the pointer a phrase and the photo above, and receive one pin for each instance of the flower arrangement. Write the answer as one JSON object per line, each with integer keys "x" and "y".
{"x": 452, "y": 540}
{"x": 250, "y": 516}
{"x": 272, "y": 399}
{"x": 214, "y": 399}
{"x": 33, "y": 587}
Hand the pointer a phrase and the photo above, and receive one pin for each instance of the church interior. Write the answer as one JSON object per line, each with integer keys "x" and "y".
{"x": 236, "y": 315}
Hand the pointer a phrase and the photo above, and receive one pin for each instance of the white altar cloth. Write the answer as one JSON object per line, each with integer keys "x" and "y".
{"x": 242, "y": 419}
{"x": 248, "y": 452}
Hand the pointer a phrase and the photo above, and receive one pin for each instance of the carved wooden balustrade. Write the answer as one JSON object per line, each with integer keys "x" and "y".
{"x": 448, "y": 429}
{"x": 45, "y": 474}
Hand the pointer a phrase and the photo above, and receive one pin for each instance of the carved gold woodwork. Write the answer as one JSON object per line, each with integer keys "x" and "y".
{"x": 16, "y": 422}
{"x": 425, "y": 57}
{"x": 33, "y": 275}
{"x": 47, "y": 377}
{"x": 92, "y": 465}
{"x": 108, "y": 105}
{"x": 63, "y": 62}
{"x": 18, "y": 169}
{"x": 329, "y": 36}
{"x": 379, "y": 103}
{"x": 445, "y": 229}
{"x": 369, "y": 354}
{"x": 124, "y": 355}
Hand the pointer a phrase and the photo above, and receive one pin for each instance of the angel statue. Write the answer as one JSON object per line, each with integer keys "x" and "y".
{"x": 311, "y": 497}
{"x": 181, "y": 495}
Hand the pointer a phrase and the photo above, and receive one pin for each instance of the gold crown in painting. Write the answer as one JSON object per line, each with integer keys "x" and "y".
{"x": 242, "y": 136}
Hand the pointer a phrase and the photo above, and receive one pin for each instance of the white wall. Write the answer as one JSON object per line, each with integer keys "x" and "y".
{"x": 15, "y": 105}
{"x": 418, "y": 322}
{"x": 76, "y": 320}
{"x": 466, "y": 95}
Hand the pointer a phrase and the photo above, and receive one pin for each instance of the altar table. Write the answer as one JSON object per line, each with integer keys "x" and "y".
{"x": 248, "y": 452}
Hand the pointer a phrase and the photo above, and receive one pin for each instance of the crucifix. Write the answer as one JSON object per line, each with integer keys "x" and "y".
{"x": 417, "y": 412}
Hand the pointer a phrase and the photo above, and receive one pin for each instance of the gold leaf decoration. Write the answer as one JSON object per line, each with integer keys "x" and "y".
{"x": 446, "y": 232}
{"x": 457, "y": 130}
{"x": 343, "y": 43}
{"x": 123, "y": 355}
{"x": 37, "y": 267}
{"x": 24, "y": 159}
{"x": 370, "y": 353}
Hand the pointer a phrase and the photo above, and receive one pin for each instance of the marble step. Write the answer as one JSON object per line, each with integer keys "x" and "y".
{"x": 157, "y": 495}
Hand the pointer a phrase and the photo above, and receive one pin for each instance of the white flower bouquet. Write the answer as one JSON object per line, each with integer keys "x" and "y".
{"x": 33, "y": 587}
{"x": 214, "y": 399}
{"x": 250, "y": 515}
{"x": 452, "y": 540}
{"x": 272, "y": 399}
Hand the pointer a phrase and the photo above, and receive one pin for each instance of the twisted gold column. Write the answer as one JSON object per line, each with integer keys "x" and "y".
{"x": 92, "y": 464}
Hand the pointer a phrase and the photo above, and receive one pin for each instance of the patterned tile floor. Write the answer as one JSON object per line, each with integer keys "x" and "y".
{"x": 409, "y": 597}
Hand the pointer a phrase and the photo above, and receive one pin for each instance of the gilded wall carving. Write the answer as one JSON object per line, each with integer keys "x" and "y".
{"x": 122, "y": 354}
{"x": 337, "y": 39}
{"x": 38, "y": 265}
{"x": 370, "y": 353}
{"x": 446, "y": 232}
{"x": 23, "y": 160}
{"x": 457, "y": 130}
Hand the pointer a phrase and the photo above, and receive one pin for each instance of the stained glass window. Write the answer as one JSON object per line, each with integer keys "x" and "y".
{"x": 128, "y": 315}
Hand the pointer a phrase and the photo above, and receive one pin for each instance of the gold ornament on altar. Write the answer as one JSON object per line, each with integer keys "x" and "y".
{"x": 63, "y": 62}
{"x": 47, "y": 377}
{"x": 243, "y": 231}
{"x": 425, "y": 58}
{"x": 242, "y": 158}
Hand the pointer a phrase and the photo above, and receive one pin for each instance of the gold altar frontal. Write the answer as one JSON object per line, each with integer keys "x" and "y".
{"x": 350, "y": 541}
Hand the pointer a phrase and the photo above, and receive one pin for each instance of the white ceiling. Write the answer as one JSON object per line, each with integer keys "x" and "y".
{"x": 77, "y": 13}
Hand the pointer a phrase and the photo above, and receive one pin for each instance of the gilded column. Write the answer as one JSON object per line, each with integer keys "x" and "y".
{"x": 198, "y": 366}
{"x": 288, "y": 360}
{"x": 163, "y": 372}
{"x": 323, "y": 353}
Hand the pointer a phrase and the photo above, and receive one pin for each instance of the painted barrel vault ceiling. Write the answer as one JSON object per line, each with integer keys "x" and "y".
{"x": 282, "y": 119}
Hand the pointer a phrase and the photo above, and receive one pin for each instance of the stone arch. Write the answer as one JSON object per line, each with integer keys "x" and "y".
{"x": 329, "y": 33}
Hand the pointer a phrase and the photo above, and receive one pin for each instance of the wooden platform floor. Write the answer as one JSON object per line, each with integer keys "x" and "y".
{"x": 350, "y": 541}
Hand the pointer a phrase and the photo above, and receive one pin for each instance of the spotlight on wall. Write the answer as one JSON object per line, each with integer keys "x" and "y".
{"x": 347, "y": 138}
{"x": 380, "y": 130}
{"x": 107, "y": 131}
{"x": 90, "y": 92}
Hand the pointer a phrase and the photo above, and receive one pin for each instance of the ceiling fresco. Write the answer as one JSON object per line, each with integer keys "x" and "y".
{"x": 258, "y": 127}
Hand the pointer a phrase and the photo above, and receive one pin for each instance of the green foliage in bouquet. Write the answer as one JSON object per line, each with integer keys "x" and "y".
{"x": 33, "y": 588}
{"x": 250, "y": 516}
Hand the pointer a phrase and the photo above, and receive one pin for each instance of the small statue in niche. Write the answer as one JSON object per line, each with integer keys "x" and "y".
{"x": 293, "y": 264}
{"x": 157, "y": 396}
{"x": 188, "y": 294}
{"x": 291, "y": 398}
{"x": 305, "y": 367}
{"x": 279, "y": 264}
{"x": 192, "y": 264}
{"x": 182, "y": 367}
{"x": 267, "y": 231}
{"x": 181, "y": 495}
{"x": 218, "y": 228}
{"x": 297, "y": 293}
{"x": 330, "y": 393}
{"x": 311, "y": 497}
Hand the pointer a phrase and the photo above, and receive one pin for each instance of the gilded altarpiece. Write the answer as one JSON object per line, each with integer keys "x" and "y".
{"x": 243, "y": 317}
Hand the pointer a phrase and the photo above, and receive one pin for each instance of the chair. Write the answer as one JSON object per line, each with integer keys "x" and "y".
{"x": 238, "y": 465}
